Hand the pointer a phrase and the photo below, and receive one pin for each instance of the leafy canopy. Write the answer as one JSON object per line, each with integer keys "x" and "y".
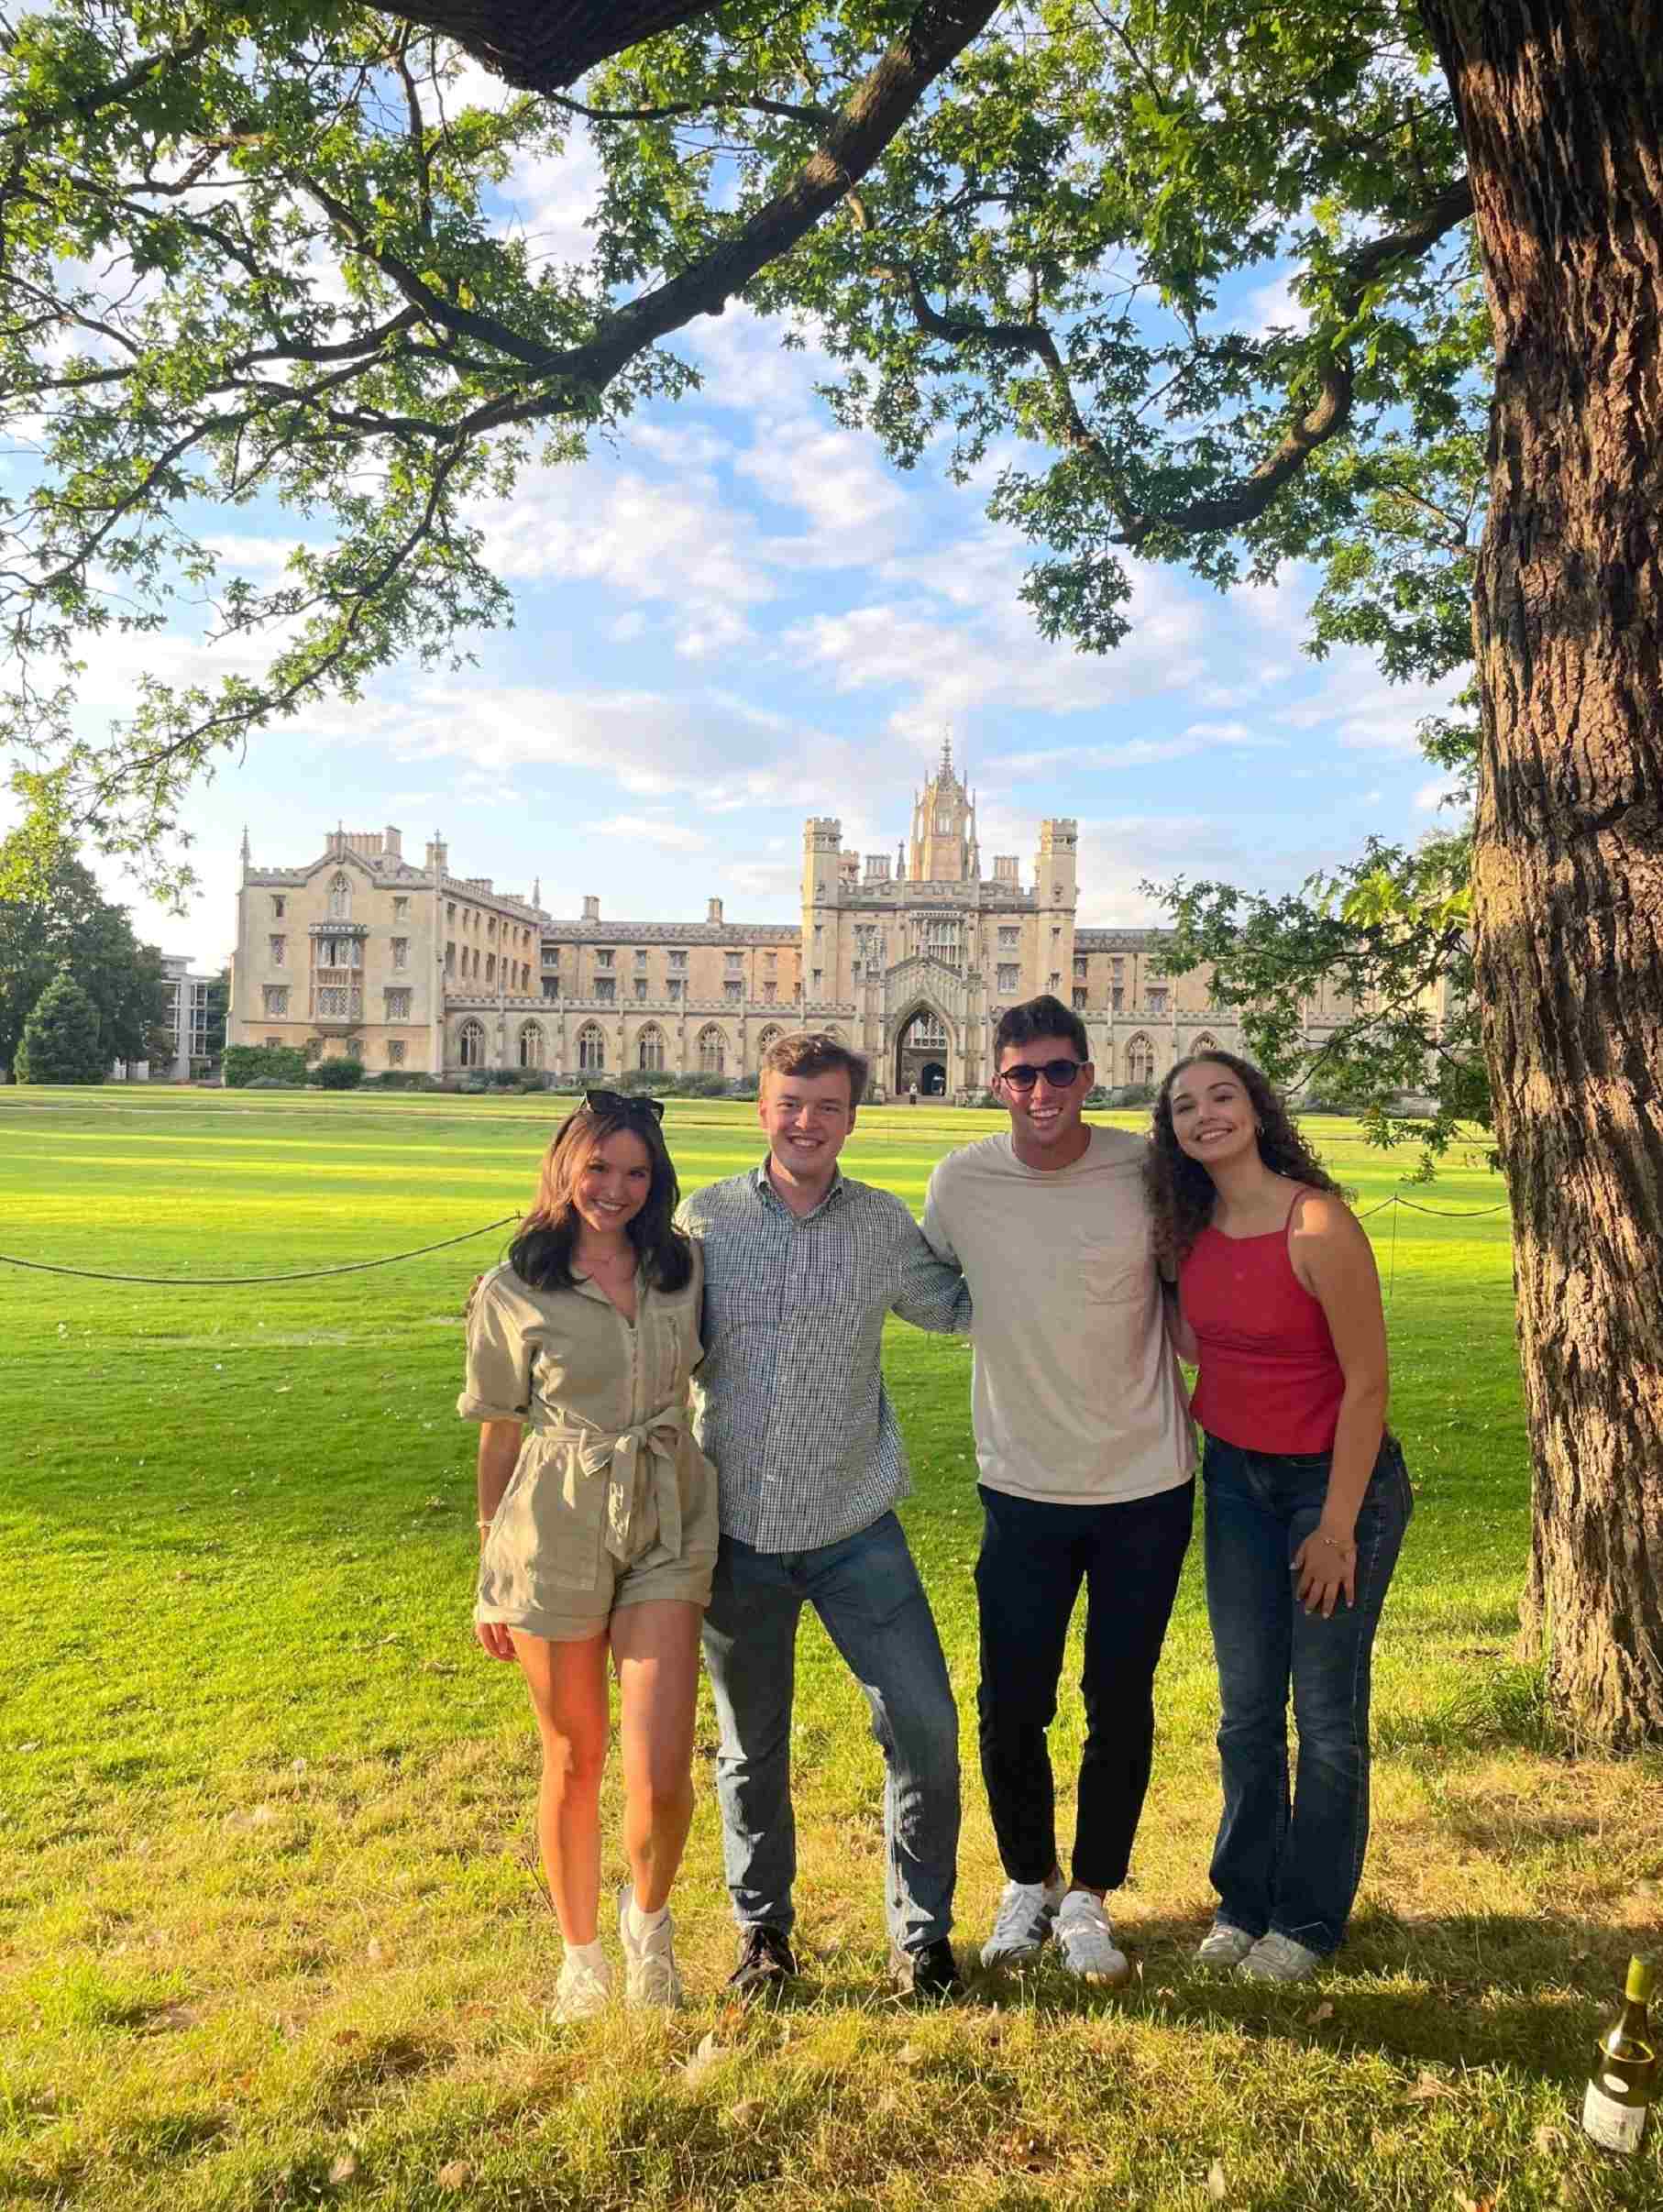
{"x": 263, "y": 254}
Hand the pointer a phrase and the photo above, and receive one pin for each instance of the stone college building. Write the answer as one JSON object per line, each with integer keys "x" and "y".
{"x": 361, "y": 952}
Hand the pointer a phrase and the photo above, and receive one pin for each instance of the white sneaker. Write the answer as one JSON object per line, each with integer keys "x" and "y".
{"x": 649, "y": 1961}
{"x": 1223, "y": 1945}
{"x": 1086, "y": 1937}
{"x": 1023, "y": 1923}
{"x": 583, "y": 1991}
{"x": 1278, "y": 1958}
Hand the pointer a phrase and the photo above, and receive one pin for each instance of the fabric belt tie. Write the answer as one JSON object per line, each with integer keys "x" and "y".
{"x": 619, "y": 1458}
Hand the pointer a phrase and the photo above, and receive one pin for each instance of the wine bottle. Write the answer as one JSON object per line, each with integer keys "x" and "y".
{"x": 1625, "y": 2077}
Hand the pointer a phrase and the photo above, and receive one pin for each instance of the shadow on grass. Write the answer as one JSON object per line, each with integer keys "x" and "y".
{"x": 1462, "y": 1989}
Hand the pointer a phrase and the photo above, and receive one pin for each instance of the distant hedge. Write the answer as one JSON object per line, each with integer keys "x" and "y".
{"x": 243, "y": 1063}
{"x": 337, "y": 1075}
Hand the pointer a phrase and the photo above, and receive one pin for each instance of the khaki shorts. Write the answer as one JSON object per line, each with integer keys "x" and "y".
{"x": 544, "y": 1568}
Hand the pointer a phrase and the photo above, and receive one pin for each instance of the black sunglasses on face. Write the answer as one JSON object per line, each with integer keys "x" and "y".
{"x": 1059, "y": 1074}
{"x": 619, "y": 1102}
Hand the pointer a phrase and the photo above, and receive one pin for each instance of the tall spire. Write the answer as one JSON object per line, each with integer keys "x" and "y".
{"x": 947, "y": 748}
{"x": 246, "y": 856}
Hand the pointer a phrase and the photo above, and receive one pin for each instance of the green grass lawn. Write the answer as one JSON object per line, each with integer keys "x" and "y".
{"x": 269, "y": 1911}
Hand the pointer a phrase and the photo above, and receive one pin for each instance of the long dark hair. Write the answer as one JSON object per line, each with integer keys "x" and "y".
{"x": 1180, "y": 1190}
{"x": 541, "y": 1255}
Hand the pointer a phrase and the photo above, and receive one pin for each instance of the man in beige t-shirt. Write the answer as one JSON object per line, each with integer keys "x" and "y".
{"x": 1086, "y": 1461}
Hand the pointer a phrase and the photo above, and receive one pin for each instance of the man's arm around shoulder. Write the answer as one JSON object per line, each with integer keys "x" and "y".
{"x": 933, "y": 1294}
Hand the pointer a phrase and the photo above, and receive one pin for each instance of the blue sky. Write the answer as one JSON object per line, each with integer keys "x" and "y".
{"x": 740, "y": 616}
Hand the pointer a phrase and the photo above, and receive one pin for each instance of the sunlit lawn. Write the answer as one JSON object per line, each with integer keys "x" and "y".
{"x": 267, "y": 1901}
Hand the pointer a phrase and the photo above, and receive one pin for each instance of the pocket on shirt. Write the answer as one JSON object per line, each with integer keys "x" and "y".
{"x": 1108, "y": 1275}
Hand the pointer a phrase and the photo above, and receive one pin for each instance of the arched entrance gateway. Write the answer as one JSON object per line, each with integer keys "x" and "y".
{"x": 921, "y": 1055}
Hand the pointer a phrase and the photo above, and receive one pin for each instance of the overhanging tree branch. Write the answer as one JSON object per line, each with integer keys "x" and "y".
{"x": 1250, "y": 496}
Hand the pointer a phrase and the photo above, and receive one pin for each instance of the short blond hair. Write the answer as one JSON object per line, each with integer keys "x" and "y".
{"x": 812, "y": 1052}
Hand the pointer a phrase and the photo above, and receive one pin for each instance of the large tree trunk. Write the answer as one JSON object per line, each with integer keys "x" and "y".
{"x": 1562, "y": 111}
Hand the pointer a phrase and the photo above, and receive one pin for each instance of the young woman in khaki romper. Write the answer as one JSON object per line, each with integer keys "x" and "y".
{"x": 598, "y": 1519}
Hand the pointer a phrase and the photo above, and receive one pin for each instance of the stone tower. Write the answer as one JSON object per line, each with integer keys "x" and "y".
{"x": 944, "y": 846}
{"x": 1055, "y": 895}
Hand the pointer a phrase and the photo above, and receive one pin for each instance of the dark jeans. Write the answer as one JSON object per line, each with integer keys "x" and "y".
{"x": 868, "y": 1596}
{"x": 1292, "y": 1868}
{"x": 1034, "y": 1556}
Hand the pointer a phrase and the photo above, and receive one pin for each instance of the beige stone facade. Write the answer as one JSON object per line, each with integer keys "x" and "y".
{"x": 912, "y": 961}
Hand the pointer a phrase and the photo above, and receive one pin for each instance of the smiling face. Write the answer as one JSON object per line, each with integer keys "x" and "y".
{"x": 1213, "y": 1118}
{"x": 1045, "y": 1118}
{"x": 807, "y": 1119}
{"x": 611, "y": 1183}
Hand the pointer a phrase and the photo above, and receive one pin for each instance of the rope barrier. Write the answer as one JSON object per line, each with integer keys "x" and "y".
{"x": 358, "y": 1267}
{"x": 206, "y": 1283}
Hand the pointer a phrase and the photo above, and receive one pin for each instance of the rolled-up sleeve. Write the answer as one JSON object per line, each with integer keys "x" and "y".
{"x": 497, "y": 1387}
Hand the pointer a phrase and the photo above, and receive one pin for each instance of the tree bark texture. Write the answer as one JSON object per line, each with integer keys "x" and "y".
{"x": 1561, "y": 106}
{"x": 544, "y": 46}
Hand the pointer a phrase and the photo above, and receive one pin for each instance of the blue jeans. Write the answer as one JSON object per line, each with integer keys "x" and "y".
{"x": 868, "y": 1596}
{"x": 1292, "y": 1868}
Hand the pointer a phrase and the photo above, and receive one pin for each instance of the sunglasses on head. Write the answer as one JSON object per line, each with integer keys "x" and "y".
{"x": 1058, "y": 1074}
{"x": 620, "y": 1102}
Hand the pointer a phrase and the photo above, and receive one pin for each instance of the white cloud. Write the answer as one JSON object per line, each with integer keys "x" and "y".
{"x": 993, "y": 658}
{"x": 1431, "y": 797}
{"x": 665, "y": 836}
{"x": 1272, "y": 306}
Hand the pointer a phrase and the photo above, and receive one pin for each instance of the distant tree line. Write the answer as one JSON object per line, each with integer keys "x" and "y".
{"x": 78, "y": 992}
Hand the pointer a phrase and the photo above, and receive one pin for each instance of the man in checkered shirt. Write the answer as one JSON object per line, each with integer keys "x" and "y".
{"x": 802, "y": 1267}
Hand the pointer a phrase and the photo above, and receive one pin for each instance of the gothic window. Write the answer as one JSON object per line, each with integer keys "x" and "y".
{"x": 398, "y": 1004}
{"x": 1079, "y": 1002}
{"x": 401, "y": 909}
{"x": 278, "y": 906}
{"x": 1157, "y": 999}
{"x": 641, "y": 986}
{"x": 641, "y": 956}
{"x": 734, "y": 991}
{"x": 712, "y": 1052}
{"x": 395, "y": 1051}
{"x": 606, "y": 989}
{"x": 1140, "y": 1059}
{"x": 277, "y": 1001}
{"x": 943, "y": 821}
{"x": 679, "y": 961}
{"x": 531, "y": 1044}
{"x": 649, "y": 1051}
{"x": 471, "y": 1045}
{"x": 603, "y": 956}
{"x": 766, "y": 1043}
{"x": 1009, "y": 975}
{"x": 927, "y": 1032}
{"x": 1117, "y": 997}
{"x": 340, "y": 896}
{"x": 1009, "y": 939}
{"x": 400, "y": 952}
{"x": 490, "y": 967}
{"x": 279, "y": 949}
{"x": 1203, "y": 1043}
{"x": 591, "y": 1049}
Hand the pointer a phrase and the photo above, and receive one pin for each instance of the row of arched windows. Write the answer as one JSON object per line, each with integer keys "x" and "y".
{"x": 532, "y": 1047}
{"x": 710, "y": 1047}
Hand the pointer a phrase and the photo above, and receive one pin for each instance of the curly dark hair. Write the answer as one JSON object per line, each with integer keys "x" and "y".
{"x": 1181, "y": 1191}
{"x": 541, "y": 1255}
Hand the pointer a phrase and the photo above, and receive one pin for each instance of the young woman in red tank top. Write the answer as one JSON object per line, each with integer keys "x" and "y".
{"x": 1276, "y": 1296}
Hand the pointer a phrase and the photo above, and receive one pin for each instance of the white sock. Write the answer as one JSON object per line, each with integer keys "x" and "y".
{"x": 590, "y": 1955}
{"x": 643, "y": 1923}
